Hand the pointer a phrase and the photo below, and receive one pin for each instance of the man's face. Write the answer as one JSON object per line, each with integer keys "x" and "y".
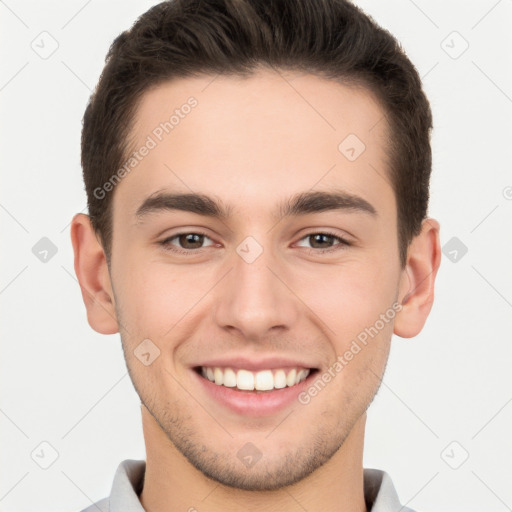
{"x": 258, "y": 285}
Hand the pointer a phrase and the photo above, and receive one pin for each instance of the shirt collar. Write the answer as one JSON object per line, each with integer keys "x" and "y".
{"x": 379, "y": 491}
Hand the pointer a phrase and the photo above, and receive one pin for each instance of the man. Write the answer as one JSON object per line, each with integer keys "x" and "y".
{"x": 257, "y": 177}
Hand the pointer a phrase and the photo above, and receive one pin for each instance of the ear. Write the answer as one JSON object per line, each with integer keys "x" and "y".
{"x": 93, "y": 276}
{"x": 416, "y": 289}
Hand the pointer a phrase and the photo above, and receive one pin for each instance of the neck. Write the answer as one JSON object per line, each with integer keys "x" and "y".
{"x": 171, "y": 482}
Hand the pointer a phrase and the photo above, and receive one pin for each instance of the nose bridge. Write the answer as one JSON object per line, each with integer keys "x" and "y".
{"x": 253, "y": 299}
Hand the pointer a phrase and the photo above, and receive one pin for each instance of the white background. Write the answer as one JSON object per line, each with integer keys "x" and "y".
{"x": 67, "y": 385}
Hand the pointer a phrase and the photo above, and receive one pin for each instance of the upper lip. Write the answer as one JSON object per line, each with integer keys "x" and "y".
{"x": 253, "y": 364}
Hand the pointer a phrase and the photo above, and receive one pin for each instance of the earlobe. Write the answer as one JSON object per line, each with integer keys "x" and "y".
{"x": 93, "y": 275}
{"x": 416, "y": 291}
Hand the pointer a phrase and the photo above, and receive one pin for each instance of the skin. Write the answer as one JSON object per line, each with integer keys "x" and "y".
{"x": 264, "y": 139}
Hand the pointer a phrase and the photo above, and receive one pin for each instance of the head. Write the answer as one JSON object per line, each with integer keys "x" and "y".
{"x": 254, "y": 114}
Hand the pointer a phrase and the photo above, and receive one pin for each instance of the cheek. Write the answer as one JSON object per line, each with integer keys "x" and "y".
{"x": 349, "y": 298}
{"x": 158, "y": 299}
{"x": 364, "y": 326}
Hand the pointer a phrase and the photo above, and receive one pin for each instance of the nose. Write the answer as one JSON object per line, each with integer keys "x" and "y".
{"x": 255, "y": 298}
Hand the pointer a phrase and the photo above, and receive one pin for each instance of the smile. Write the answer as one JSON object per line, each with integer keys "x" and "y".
{"x": 246, "y": 380}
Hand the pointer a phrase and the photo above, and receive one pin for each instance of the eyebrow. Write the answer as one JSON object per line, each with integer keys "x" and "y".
{"x": 299, "y": 204}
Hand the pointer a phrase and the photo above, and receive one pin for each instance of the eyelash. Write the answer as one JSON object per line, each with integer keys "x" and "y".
{"x": 189, "y": 252}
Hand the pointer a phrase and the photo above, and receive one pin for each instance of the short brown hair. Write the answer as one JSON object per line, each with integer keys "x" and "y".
{"x": 333, "y": 39}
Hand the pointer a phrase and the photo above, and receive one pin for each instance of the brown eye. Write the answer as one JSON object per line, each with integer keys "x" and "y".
{"x": 185, "y": 242}
{"x": 319, "y": 240}
{"x": 322, "y": 242}
{"x": 190, "y": 241}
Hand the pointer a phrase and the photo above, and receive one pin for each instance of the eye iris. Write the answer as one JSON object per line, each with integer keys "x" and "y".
{"x": 323, "y": 236}
{"x": 193, "y": 238}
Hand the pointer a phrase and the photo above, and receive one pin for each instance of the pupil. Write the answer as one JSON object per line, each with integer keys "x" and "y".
{"x": 321, "y": 236}
{"x": 189, "y": 238}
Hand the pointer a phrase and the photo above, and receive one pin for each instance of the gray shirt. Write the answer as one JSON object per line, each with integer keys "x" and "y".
{"x": 379, "y": 492}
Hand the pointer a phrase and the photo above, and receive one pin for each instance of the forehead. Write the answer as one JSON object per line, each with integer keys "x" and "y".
{"x": 271, "y": 134}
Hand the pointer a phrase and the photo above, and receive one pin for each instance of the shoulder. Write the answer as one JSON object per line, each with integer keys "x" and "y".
{"x": 127, "y": 484}
{"x": 380, "y": 493}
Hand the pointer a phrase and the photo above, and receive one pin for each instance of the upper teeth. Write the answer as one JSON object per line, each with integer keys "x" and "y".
{"x": 261, "y": 381}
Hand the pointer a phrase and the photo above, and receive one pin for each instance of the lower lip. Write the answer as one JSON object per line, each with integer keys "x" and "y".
{"x": 254, "y": 404}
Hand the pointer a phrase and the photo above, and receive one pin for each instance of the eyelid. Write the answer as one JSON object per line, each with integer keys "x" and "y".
{"x": 327, "y": 232}
{"x": 343, "y": 242}
{"x": 166, "y": 242}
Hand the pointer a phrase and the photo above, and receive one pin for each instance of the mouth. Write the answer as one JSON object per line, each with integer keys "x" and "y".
{"x": 255, "y": 382}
